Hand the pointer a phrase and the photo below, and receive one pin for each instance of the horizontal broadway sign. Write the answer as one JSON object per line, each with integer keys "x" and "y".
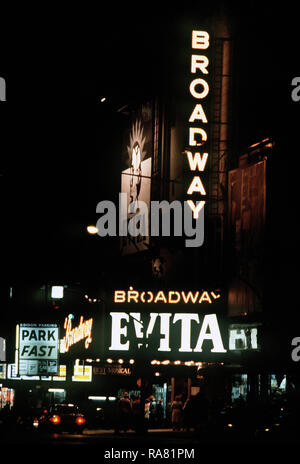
{"x": 170, "y": 297}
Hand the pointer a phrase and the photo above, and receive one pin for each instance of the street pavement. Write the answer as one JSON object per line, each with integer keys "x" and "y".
{"x": 158, "y": 445}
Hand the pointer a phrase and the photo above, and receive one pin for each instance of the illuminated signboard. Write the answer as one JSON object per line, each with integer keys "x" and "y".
{"x": 144, "y": 321}
{"x": 197, "y": 134}
{"x": 82, "y": 373}
{"x": 243, "y": 337}
{"x": 62, "y": 373}
{"x": 112, "y": 370}
{"x": 136, "y": 177}
{"x": 170, "y": 297}
{"x": 37, "y": 349}
{"x": 166, "y": 332}
{"x": 76, "y": 334}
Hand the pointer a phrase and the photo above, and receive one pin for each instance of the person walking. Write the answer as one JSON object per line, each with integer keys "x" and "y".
{"x": 125, "y": 412}
{"x": 200, "y": 412}
{"x": 136, "y": 414}
{"x": 159, "y": 413}
{"x": 188, "y": 414}
{"x": 176, "y": 409}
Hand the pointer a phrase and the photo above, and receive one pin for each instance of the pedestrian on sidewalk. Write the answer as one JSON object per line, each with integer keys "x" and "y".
{"x": 176, "y": 408}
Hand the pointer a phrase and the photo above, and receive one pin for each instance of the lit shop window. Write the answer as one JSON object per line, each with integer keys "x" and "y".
{"x": 277, "y": 384}
{"x": 7, "y": 396}
{"x": 2, "y": 371}
{"x": 239, "y": 387}
{"x": 62, "y": 373}
{"x": 82, "y": 373}
{"x": 58, "y": 395}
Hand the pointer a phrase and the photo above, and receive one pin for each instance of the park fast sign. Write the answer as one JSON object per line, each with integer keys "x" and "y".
{"x": 37, "y": 349}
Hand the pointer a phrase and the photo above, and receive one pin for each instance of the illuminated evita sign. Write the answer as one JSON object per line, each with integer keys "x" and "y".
{"x": 76, "y": 334}
{"x": 186, "y": 325}
{"x": 199, "y": 89}
{"x": 207, "y": 330}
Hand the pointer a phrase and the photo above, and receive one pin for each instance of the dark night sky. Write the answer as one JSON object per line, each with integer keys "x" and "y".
{"x": 59, "y": 143}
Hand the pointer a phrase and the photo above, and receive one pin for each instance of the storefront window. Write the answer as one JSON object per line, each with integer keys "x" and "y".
{"x": 239, "y": 387}
{"x": 2, "y": 371}
{"x": 56, "y": 395}
{"x": 7, "y": 396}
{"x": 277, "y": 385}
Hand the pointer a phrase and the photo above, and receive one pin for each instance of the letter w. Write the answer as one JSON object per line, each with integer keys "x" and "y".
{"x": 197, "y": 161}
{"x": 189, "y": 296}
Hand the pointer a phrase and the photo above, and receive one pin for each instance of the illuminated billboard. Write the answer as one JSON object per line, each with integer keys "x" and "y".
{"x": 177, "y": 332}
{"x": 160, "y": 324}
{"x": 82, "y": 374}
{"x": 37, "y": 349}
{"x": 136, "y": 176}
{"x": 196, "y": 150}
{"x": 244, "y": 337}
{"x": 74, "y": 335}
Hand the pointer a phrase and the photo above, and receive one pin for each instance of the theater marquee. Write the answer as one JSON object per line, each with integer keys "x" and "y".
{"x": 170, "y": 297}
{"x": 166, "y": 332}
{"x": 167, "y": 323}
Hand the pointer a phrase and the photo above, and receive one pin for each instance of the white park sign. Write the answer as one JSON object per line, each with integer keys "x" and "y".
{"x": 37, "y": 348}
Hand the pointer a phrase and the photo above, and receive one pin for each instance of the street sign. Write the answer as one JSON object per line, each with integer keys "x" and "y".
{"x": 37, "y": 349}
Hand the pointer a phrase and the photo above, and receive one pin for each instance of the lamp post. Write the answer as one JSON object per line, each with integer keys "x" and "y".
{"x": 92, "y": 230}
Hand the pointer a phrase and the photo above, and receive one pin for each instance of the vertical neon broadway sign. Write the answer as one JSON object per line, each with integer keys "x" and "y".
{"x": 199, "y": 90}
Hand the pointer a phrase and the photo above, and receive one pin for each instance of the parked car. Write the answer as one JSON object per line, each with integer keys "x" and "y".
{"x": 241, "y": 423}
{"x": 284, "y": 428}
{"x": 95, "y": 417}
{"x": 63, "y": 418}
{"x": 28, "y": 418}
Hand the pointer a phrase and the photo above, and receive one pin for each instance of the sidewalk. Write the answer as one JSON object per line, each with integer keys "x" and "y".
{"x": 129, "y": 432}
{"x": 160, "y": 437}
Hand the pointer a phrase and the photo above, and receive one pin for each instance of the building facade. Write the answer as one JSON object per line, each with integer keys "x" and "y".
{"x": 188, "y": 304}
